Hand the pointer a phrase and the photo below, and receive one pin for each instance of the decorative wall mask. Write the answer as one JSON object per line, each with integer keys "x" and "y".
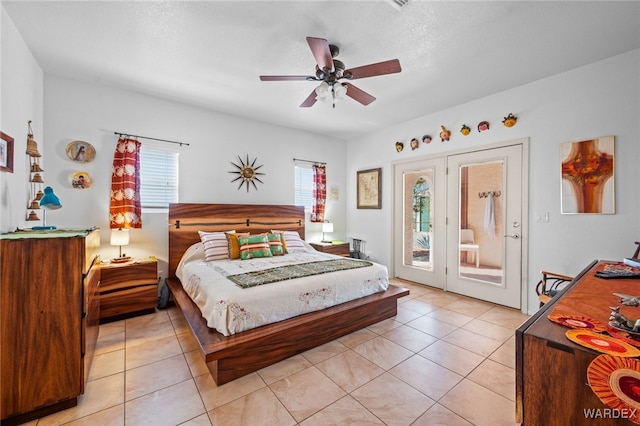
{"x": 444, "y": 134}
{"x": 483, "y": 125}
{"x": 415, "y": 144}
{"x": 426, "y": 139}
{"x": 510, "y": 120}
{"x": 465, "y": 130}
{"x": 399, "y": 146}
{"x": 247, "y": 173}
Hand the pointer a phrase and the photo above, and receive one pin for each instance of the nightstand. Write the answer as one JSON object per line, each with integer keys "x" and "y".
{"x": 341, "y": 249}
{"x": 128, "y": 289}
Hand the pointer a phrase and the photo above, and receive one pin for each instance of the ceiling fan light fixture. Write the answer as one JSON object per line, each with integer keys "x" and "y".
{"x": 323, "y": 90}
{"x": 339, "y": 90}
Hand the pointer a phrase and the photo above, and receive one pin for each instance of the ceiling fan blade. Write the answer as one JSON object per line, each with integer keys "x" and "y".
{"x": 311, "y": 99}
{"x": 286, "y": 77}
{"x": 358, "y": 94}
{"x": 322, "y": 53}
{"x": 372, "y": 70}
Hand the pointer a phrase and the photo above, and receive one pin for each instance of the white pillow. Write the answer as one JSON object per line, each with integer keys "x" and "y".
{"x": 215, "y": 245}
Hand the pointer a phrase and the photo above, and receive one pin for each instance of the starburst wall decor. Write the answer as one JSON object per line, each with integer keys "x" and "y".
{"x": 247, "y": 173}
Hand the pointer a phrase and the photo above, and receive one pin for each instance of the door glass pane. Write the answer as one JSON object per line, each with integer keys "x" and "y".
{"x": 481, "y": 239}
{"x": 418, "y": 218}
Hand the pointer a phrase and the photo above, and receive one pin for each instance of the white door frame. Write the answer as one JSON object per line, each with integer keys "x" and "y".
{"x": 396, "y": 210}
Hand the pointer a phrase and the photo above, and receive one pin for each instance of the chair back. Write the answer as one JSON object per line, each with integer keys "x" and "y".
{"x": 466, "y": 236}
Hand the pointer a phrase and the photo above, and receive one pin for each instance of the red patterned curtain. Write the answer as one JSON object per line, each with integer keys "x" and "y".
{"x": 319, "y": 192}
{"x": 126, "y": 208}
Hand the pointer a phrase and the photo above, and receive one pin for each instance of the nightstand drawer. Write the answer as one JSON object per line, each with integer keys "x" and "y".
{"x": 341, "y": 249}
{"x": 127, "y": 300}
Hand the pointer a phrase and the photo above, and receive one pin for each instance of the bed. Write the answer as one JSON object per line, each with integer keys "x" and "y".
{"x": 236, "y": 355}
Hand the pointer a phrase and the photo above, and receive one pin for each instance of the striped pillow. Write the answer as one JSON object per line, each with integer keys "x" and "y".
{"x": 292, "y": 240}
{"x": 215, "y": 245}
{"x": 252, "y": 246}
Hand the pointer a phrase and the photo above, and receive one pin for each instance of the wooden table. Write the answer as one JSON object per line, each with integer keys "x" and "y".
{"x": 551, "y": 370}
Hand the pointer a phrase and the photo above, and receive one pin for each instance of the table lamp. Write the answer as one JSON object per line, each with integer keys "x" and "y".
{"x": 49, "y": 201}
{"x": 120, "y": 237}
{"x": 326, "y": 227}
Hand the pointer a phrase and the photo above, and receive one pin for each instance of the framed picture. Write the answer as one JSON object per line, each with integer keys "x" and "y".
{"x": 370, "y": 189}
{"x": 588, "y": 179}
{"x": 6, "y": 152}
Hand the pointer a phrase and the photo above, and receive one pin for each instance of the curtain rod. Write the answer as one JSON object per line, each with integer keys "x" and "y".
{"x": 309, "y": 161}
{"x": 153, "y": 139}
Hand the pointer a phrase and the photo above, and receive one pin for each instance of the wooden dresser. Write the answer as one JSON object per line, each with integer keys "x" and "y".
{"x": 49, "y": 320}
{"x": 551, "y": 371}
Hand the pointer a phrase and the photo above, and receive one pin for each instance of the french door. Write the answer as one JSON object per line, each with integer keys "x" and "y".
{"x": 459, "y": 223}
{"x": 419, "y": 226}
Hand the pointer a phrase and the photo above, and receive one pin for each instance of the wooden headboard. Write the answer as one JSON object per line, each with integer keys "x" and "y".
{"x": 186, "y": 219}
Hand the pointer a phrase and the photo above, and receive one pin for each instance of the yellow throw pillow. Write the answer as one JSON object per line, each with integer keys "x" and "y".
{"x": 234, "y": 246}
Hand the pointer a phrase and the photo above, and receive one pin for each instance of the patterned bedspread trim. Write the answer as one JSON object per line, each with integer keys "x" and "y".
{"x": 281, "y": 273}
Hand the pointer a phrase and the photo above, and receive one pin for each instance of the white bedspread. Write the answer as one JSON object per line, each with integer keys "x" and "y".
{"x": 231, "y": 309}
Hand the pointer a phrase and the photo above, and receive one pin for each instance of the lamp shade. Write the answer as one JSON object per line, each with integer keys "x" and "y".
{"x": 340, "y": 90}
{"x": 326, "y": 227}
{"x": 119, "y": 237}
{"x": 49, "y": 200}
{"x": 323, "y": 90}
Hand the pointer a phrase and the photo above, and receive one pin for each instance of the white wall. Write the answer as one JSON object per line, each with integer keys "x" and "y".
{"x": 91, "y": 112}
{"x": 21, "y": 99}
{"x": 596, "y": 100}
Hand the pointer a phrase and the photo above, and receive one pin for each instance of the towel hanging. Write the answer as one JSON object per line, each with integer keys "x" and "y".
{"x": 489, "y": 217}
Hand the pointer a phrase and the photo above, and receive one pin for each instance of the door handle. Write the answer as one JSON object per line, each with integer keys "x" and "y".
{"x": 514, "y": 236}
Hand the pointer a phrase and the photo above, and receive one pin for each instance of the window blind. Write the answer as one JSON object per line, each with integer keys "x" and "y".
{"x": 304, "y": 185}
{"x": 158, "y": 177}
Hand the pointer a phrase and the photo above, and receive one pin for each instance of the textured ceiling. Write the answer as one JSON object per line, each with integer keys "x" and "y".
{"x": 210, "y": 53}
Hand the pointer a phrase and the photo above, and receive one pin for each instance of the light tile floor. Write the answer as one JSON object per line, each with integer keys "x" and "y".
{"x": 444, "y": 359}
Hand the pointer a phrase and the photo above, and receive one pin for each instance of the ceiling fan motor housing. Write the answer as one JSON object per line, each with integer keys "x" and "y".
{"x": 332, "y": 76}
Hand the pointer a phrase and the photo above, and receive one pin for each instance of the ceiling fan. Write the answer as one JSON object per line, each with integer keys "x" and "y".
{"x": 330, "y": 71}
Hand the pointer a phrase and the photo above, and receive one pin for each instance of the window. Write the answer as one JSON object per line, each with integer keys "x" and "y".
{"x": 304, "y": 186}
{"x": 158, "y": 176}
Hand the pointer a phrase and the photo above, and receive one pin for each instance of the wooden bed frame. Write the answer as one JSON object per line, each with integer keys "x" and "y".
{"x": 231, "y": 357}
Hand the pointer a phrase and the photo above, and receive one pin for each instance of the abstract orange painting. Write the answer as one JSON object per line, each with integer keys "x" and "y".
{"x": 588, "y": 176}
